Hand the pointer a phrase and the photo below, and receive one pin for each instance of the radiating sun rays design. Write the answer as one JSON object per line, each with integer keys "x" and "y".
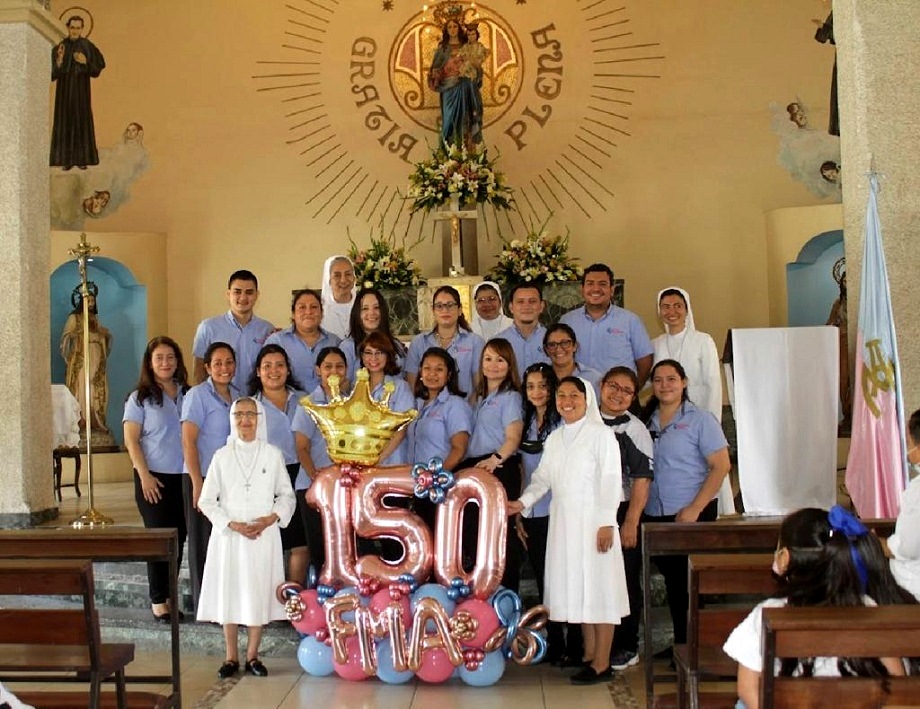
{"x": 305, "y": 78}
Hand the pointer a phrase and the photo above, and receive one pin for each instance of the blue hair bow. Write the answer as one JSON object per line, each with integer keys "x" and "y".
{"x": 842, "y": 522}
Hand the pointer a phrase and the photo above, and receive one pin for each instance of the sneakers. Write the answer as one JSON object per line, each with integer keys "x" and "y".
{"x": 622, "y": 659}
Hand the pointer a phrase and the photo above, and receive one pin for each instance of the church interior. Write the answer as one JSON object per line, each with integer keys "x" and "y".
{"x": 683, "y": 144}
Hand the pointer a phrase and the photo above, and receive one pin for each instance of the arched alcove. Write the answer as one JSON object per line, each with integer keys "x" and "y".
{"x": 810, "y": 286}
{"x": 122, "y": 308}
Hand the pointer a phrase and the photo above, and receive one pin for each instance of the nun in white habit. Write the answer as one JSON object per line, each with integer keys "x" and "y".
{"x": 696, "y": 351}
{"x": 585, "y": 581}
{"x": 338, "y": 294}
{"x": 490, "y": 318}
{"x": 247, "y": 496}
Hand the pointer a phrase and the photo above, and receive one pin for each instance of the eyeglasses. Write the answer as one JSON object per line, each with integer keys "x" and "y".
{"x": 444, "y": 306}
{"x": 238, "y": 415}
{"x": 620, "y": 390}
{"x": 373, "y": 353}
{"x": 564, "y": 345}
{"x": 487, "y": 299}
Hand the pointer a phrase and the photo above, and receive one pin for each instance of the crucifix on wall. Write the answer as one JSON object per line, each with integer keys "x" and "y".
{"x": 459, "y": 253}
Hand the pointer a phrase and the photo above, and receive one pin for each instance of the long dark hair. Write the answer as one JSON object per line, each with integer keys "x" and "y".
{"x": 356, "y": 330}
{"x": 147, "y": 387}
{"x": 461, "y": 33}
{"x": 551, "y": 418}
{"x": 255, "y": 383}
{"x": 453, "y": 386}
{"x": 828, "y": 567}
{"x": 455, "y": 294}
{"x": 652, "y": 404}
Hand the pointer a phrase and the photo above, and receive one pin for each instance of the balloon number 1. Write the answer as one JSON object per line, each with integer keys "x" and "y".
{"x": 349, "y": 509}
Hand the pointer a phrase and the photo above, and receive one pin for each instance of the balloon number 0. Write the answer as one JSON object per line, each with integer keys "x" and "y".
{"x": 358, "y": 509}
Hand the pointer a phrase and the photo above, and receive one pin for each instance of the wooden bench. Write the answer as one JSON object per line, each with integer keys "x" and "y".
{"x": 884, "y": 631}
{"x": 60, "y": 644}
{"x": 708, "y": 626}
{"x": 108, "y": 544}
{"x": 758, "y": 535}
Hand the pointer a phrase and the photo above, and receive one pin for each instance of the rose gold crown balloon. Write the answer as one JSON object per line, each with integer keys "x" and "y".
{"x": 356, "y": 429}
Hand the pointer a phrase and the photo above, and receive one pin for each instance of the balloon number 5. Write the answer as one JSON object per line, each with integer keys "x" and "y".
{"x": 359, "y": 509}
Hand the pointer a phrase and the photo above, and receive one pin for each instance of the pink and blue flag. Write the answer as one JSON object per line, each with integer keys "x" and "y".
{"x": 876, "y": 466}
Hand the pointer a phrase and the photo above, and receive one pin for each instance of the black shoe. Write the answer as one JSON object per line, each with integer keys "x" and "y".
{"x": 162, "y": 618}
{"x": 181, "y": 616}
{"x": 584, "y": 676}
{"x": 229, "y": 668}
{"x": 592, "y": 676}
{"x": 256, "y": 668}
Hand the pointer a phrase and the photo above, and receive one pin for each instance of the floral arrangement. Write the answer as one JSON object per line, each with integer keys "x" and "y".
{"x": 384, "y": 264}
{"x": 454, "y": 172}
{"x": 539, "y": 258}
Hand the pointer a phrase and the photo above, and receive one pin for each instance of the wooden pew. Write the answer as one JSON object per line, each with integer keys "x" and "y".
{"x": 884, "y": 631}
{"x": 708, "y": 627}
{"x": 61, "y": 644}
{"x": 757, "y": 535}
{"x": 108, "y": 544}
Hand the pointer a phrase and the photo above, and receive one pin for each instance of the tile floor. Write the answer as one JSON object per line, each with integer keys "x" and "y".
{"x": 287, "y": 686}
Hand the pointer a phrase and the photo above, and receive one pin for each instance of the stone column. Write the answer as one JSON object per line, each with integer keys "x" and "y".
{"x": 27, "y": 34}
{"x": 878, "y": 66}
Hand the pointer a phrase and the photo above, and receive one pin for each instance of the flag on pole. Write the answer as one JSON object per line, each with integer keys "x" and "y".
{"x": 876, "y": 466}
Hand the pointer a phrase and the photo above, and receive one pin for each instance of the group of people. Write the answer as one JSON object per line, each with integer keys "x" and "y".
{"x": 550, "y": 411}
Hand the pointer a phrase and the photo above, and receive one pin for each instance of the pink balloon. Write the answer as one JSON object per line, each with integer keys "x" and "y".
{"x": 436, "y": 667}
{"x": 334, "y": 504}
{"x": 381, "y": 600}
{"x": 473, "y": 484}
{"x": 482, "y": 613}
{"x": 351, "y": 669}
{"x": 313, "y": 617}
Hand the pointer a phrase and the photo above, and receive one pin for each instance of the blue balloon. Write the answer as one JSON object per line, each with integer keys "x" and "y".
{"x": 349, "y": 617}
{"x": 385, "y": 670}
{"x": 490, "y": 670}
{"x": 437, "y": 592}
{"x": 315, "y": 657}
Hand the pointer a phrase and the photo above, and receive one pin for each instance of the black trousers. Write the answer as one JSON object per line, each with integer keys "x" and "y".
{"x": 313, "y": 525}
{"x": 199, "y": 533}
{"x": 537, "y": 529}
{"x": 293, "y": 536}
{"x": 674, "y": 569}
{"x": 626, "y": 636}
{"x": 509, "y": 475}
{"x": 168, "y": 513}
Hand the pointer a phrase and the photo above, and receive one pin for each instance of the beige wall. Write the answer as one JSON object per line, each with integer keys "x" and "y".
{"x": 788, "y": 230}
{"x": 692, "y": 182}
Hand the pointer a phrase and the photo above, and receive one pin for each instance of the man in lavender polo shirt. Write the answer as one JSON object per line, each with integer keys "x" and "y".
{"x": 526, "y": 333}
{"x": 608, "y": 335}
{"x": 239, "y": 327}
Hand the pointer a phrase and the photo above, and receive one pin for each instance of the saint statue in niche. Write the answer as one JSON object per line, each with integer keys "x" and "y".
{"x": 456, "y": 75}
{"x": 94, "y": 366}
{"x": 838, "y": 318}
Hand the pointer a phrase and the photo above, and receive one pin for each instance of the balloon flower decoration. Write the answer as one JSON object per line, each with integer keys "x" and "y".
{"x": 422, "y": 615}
